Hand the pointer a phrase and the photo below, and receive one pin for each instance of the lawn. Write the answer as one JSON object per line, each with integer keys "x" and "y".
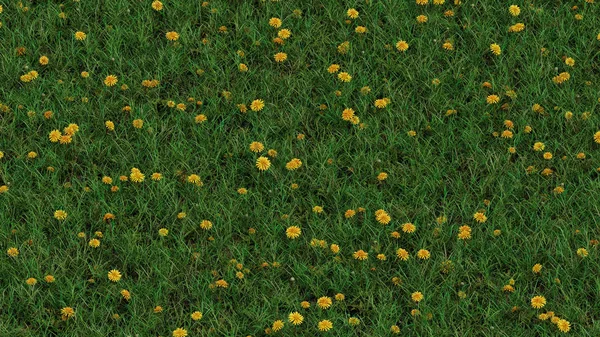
{"x": 299, "y": 168}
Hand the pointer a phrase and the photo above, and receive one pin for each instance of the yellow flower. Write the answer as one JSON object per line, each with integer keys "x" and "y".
{"x": 180, "y": 332}
{"x": 325, "y": 325}
{"x": 423, "y": 254}
{"x": 49, "y": 279}
{"x": 67, "y": 312}
{"x": 570, "y": 61}
{"x": 538, "y": 302}
{"x": 295, "y": 318}
{"x": 382, "y": 217}
{"x": 422, "y": 19}
{"x": 514, "y": 10}
{"x": 334, "y": 68}
{"x": 293, "y": 164}
{"x": 284, "y": 33}
{"x": 80, "y": 36}
{"x": 275, "y": 22}
{"x": 222, "y": 283}
{"x": 60, "y": 215}
{"x": 495, "y": 48}
{"x": 157, "y": 5}
{"x": 172, "y": 36}
{"x": 492, "y": 99}
{"x": 257, "y": 105}
{"x": 537, "y": 268}
{"x": 94, "y": 243}
{"x": 277, "y": 325}
{"x": 293, "y": 232}
{"x": 402, "y": 254}
{"x": 126, "y": 294}
{"x": 597, "y": 137}
{"x": 44, "y": 60}
{"x": 360, "y": 255}
{"x": 352, "y": 13}
{"x": 409, "y": 227}
{"x": 54, "y": 136}
{"x": 256, "y": 147}
{"x": 563, "y": 325}
{"x": 263, "y": 163}
{"x": 344, "y": 77}
{"x": 582, "y": 252}
{"x": 480, "y": 217}
{"x": 280, "y": 57}
{"x": 163, "y": 232}
{"x": 206, "y": 224}
{"x": 110, "y": 80}
{"x": 196, "y": 315}
{"x": 31, "y": 281}
{"x": 402, "y": 46}
{"x": 324, "y": 302}
{"x": 417, "y": 296}
{"x": 114, "y": 275}
{"x": 136, "y": 175}
{"x": 194, "y": 179}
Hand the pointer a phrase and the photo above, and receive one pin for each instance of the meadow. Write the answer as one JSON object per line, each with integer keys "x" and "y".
{"x": 299, "y": 168}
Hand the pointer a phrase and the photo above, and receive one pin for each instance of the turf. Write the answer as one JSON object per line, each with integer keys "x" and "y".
{"x": 446, "y": 151}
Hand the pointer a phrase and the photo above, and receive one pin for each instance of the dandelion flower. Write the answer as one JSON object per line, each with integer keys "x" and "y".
{"x": 172, "y": 36}
{"x": 514, "y": 10}
{"x": 597, "y": 137}
{"x": 263, "y": 163}
{"x": 402, "y": 254}
{"x": 492, "y": 99}
{"x": 12, "y": 252}
{"x": 157, "y": 5}
{"x": 344, "y": 77}
{"x": 277, "y": 325}
{"x": 293, "y": 232}
{"x": 296, "y": 318}
{"x": 324, "y": 302}
{"x": 402, "y": 46}
{"x": 257, "y": 105}
{"x": 114, "y": 275}
{"x": 110, "y": 80}
{"x": 495, "y": 48}
{"x": 423, "y": 254}
{"x": 280, "y": 57}
{"x": 275, "y": 22}
{"x": 360, "y": 255}
{"x": 136, "y": 175}
{"x": 206, "y": 225}
{"x": 196, "y": 315}
{"x": 80, "y": 36}
{"x": 480, "y": 217}
{"x": 417, "y": 296}
{"x": 325, "y": 325}
{"x": 563, "y": 325}
{"x": 352, "y": 13}
{"x": 180, "y": 332}
{"x": 60, "y": 215}
{"x": 67, "y": 312}
{"x": 538, "y": 302}
{"x": 256, "y": 147}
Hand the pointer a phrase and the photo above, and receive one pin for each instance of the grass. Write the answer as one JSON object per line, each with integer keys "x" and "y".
{"x": 451, "y": 168}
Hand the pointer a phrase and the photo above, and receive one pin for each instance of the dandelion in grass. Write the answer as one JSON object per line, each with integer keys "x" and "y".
{"x": 538, "y": 302}
{"x": 325, "y": 325}
{"x": 114, "y": 275}
{"x": 293, "y": 232}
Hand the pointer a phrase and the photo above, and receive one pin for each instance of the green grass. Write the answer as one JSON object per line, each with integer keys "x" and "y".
{"x": 450, "y": 168}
